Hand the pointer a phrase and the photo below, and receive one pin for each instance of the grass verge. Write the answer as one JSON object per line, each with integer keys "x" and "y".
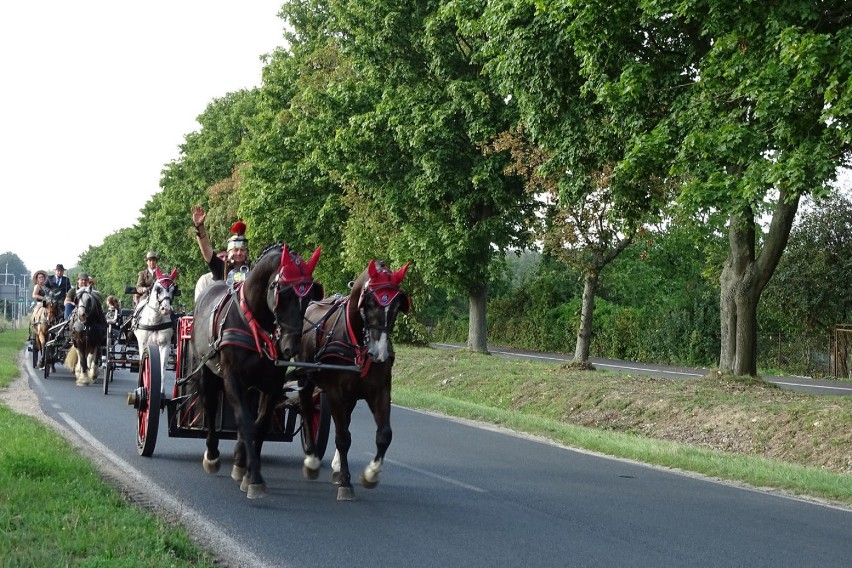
{"x": 55, "y": 510}
{"x": 738, "y": 430}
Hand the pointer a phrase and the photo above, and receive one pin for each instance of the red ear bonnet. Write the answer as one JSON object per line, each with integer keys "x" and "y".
{"x": 295, "y": 272}
{"x": 383, "y": 283}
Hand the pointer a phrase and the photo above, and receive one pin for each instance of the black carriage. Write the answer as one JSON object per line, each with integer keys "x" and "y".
{"x": 57, "y": 347}
{"x": 120, "y": 349}
{"x": 184, "y": 411}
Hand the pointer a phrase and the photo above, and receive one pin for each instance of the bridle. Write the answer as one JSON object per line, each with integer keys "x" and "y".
{"x": 293, "y": 273}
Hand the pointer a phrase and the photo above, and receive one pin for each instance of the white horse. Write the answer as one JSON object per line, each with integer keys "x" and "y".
{"x": 152, "y": 321}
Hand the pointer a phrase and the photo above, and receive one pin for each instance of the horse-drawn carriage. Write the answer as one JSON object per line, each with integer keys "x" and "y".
{"x": 229, "y": 382}
{"x": 76, "y": 342}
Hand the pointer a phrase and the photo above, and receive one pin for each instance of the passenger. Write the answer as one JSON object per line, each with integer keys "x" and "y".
{"x": 39, "y": 286}
{"x": 113, "y": 314}
{"x": 146, "y": 277}
{"x": 71, "y": 296}
{"x": 207, "y": 278}
{"x": 236, "y": 266}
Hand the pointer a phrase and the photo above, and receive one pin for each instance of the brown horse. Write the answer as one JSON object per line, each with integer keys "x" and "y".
{"x": 355, "y": 332}
{"x": 239, "y": 334}
{"x": 47, "y": 314}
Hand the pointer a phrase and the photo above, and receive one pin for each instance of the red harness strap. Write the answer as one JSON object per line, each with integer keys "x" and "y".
{"x": 257, "y": 331}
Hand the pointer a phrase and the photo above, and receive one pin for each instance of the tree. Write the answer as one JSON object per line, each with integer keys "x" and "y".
{"x": 745, "y": 105}
{"x": 411, "y": 141}
{"x": 809, "y": 292}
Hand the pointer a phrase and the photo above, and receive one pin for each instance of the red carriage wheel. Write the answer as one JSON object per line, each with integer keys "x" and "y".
{"x": 148, "y": 401}
{"x": 321, "y": 423}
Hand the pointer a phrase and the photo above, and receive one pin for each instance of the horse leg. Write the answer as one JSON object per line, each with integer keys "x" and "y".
{"x": 311, "y": 465}
{"x": 81, "y": 368}
{"x": 381, "y": 414}
{"x": 240, "y": 468}
{"x": 210, "y": 397}
{"x": 342, "y": 441}
{"x": 253, "y": 482}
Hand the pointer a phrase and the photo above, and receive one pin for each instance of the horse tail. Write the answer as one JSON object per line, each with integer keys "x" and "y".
{"x": 71, "y": 359}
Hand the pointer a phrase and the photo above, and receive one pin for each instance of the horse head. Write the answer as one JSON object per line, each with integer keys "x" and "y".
{"x": 53, "y": 302}
{"x": 86, "y": 305}
{"x": 163, "y": 292}
{"x": 276, "y": 294}
{"x": 380, "y": 299}
{"x": 291, "y": 288}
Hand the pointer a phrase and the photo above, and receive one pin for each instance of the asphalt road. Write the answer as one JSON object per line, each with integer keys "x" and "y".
{"x": 453, "y": 493}
{"x": 801, "y": 384}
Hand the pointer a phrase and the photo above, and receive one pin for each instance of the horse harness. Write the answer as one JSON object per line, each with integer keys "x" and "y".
{"x": 351, "y": 350}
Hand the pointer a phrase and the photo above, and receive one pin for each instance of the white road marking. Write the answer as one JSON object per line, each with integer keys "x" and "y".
{"x": 437, "y": 476}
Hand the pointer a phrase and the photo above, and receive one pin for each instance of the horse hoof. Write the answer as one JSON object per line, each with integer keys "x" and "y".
{"x": 210, "y": 466}
{"x": 256, "y": 491}
{"x": 367, "y": 484}
{"x": 238, "y": 473}
{"x": 345, "y": 494}
{"x": 82, "y": 384}
{"x": 311, "y": 474}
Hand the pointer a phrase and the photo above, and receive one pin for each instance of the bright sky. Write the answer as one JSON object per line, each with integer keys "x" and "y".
{"x": 97, "y": 96}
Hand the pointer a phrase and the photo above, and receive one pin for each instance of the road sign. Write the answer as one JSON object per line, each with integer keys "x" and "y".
{"x": 8, "y": 292}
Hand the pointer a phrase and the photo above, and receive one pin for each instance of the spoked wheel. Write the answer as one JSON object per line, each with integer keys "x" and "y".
{"x": 109, "y": 367}
{"x": 322, "y": 425}
{"x": 148, "y": 398}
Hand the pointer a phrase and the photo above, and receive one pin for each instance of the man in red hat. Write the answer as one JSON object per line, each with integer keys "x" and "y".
{"x": 236, "y": 267}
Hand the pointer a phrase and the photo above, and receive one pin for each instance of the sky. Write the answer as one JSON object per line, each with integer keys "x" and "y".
{"x": 96, "y": 98}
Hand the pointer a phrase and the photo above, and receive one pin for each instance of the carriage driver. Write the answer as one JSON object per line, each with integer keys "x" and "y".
{"x": 58, "y": 280}
{"x": 147, "y": 277}
{"x": 236, "y": 267}
{"x": 71, "y": 297}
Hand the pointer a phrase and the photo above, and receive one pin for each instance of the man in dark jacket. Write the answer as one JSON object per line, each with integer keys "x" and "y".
{"x": 58, "y": 280}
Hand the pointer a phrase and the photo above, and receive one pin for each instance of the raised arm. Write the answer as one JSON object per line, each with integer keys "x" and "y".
{"x": 198, "y": 217}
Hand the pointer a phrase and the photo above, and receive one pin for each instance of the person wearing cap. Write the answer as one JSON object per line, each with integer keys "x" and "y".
{"x": 58, "y": 280}
{"x": 71, "y": 296}
{"x": 146, "y": 277}
{"x": 236, "y": 266}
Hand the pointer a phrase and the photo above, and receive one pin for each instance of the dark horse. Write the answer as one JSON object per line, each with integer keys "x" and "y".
{"x": 239, "y": 333}
{"x": 88, "y": 333}
{"x": 353, "y": 331}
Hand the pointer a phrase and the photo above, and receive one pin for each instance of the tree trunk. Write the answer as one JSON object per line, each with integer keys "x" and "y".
{"x": 477, "y": 338}
{"x": 743, "y": 280}
{"x": 587, "y": 310}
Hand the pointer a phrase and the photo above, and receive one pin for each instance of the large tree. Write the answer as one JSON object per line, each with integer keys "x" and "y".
{"x": 751, "y": 109}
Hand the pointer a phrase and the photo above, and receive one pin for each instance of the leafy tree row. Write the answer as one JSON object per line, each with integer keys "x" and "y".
{"x": 450, "y": 133}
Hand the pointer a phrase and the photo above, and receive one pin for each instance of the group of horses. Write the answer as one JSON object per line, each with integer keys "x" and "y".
{"x": 244, "y": 335}
{"x": 243, "y": 338}
{"x": 86, "y": 328}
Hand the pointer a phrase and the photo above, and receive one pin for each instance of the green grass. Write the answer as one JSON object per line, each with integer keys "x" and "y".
{"x": 555, "y": 402}
{"x": 56, "y": 511}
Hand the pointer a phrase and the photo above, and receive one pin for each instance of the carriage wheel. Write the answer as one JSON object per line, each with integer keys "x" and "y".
{"x": 48, "y": 360}
{"x": 322, "y": 425}
{"x": 107, "y": 354}
{"x": 150, "y": 397}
